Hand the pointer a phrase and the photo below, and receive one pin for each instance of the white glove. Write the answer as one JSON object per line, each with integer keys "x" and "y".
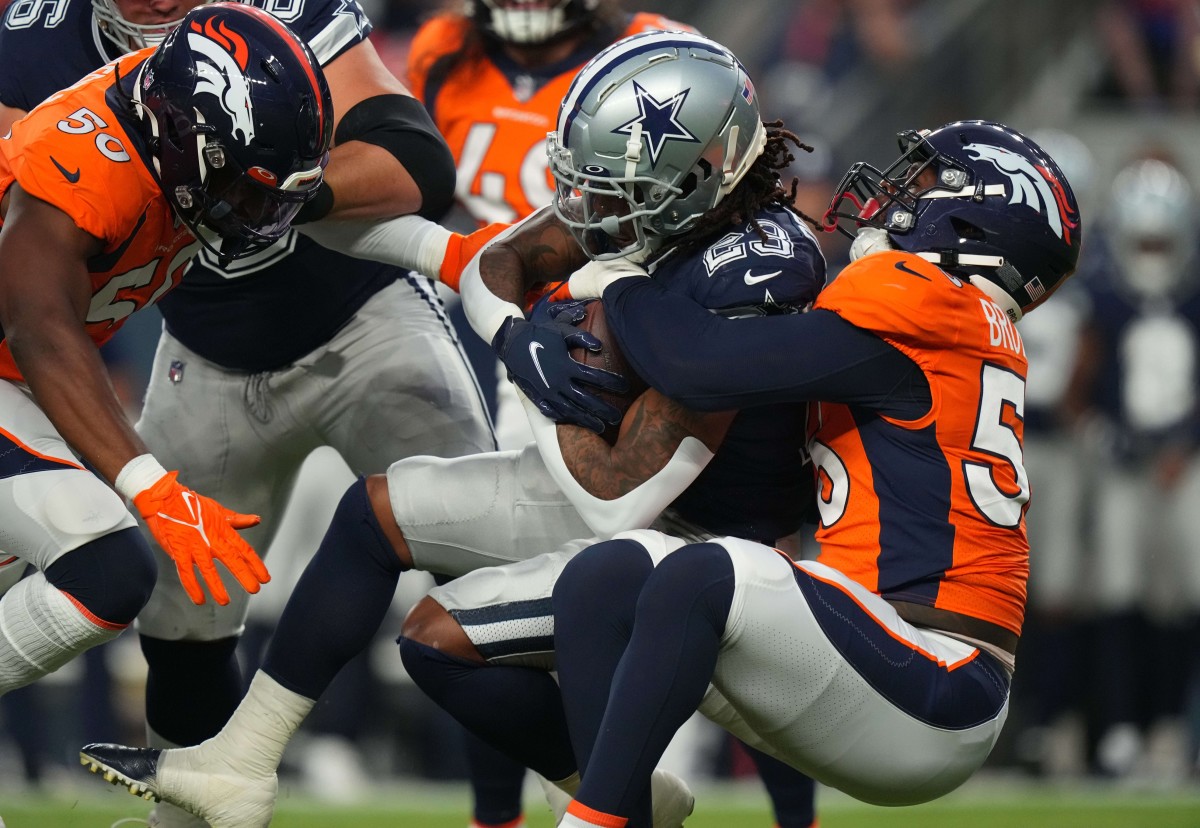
{"x": 869, "y": 240}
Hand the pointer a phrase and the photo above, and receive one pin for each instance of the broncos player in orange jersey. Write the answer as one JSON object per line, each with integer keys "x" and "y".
{"x": 109, "y": 189}
{"x": 883, "y": 668}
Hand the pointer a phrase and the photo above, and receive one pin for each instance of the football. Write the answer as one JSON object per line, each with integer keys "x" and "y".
{"x": 611, "y": 359}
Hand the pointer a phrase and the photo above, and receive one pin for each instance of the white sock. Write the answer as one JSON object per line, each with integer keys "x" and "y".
{"x": 41, "y": 629}
{"x": 254, "y": 739}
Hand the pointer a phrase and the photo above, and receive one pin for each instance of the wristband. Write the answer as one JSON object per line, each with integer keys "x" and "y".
{"x": 137, "y": 475}
{"x": 317, "y": 207}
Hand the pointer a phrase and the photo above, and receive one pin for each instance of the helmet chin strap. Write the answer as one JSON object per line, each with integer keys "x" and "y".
{"x": 998, "y": 295}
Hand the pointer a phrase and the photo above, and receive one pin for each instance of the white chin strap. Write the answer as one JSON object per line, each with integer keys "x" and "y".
{"x": 1000, "y": 296}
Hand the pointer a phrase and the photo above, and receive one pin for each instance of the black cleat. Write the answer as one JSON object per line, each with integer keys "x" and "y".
{"x": 135, "y": 768}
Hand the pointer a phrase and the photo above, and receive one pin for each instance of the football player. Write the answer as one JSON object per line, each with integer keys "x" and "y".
{"x": 264, "y": 358}
{"x": 722, "y": 232}
{"x": 883, "y": 668}
{"x": 214, "y": 140}
{"x": 493, "y": 76}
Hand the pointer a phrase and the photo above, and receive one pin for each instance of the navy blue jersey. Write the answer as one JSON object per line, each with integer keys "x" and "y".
{"x": 757, "y": 484}
{"x": 262, "y": 312}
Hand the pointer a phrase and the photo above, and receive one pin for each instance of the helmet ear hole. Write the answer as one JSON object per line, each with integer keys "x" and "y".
{"x": 966, "y": 230}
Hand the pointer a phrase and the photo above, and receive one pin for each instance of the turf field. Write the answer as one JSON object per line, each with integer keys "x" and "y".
{"x": 985, "y": 805}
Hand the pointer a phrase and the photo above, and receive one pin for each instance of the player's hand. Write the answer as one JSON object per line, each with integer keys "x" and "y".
{"x": 537, "y": 356}
{"x": 461, "y": 249}
{"x": 196, "y": 531}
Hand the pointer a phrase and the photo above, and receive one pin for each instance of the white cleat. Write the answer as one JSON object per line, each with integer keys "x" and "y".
{"x": 185, "y": 778}
{"x": 166, "y": 815}
{"x": 673, "y": 800}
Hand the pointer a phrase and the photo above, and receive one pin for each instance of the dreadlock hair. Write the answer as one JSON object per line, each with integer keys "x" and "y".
{"x": 760, "y": 187}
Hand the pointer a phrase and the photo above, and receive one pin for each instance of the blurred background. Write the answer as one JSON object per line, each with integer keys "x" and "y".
{"x": 1107, "y": 685}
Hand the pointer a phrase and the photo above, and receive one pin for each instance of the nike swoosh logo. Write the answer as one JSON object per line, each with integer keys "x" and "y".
{"x": 193, "y": 505}
{"x": 534, "y": 347}
{"x": 901, "y": 266}
{"x": 72, "y": 177}
{"x": 751, "y": 279}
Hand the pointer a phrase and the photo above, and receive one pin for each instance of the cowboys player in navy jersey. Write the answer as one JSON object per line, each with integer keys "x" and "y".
{"x": 265, "y": 359}
{"x": 727, "y": 237}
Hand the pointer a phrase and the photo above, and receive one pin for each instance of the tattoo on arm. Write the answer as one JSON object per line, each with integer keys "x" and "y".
{"x": 541, "y": 251}
{"x": 651, "y": 431}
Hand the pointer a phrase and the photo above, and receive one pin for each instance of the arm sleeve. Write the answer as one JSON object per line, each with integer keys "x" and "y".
{"x": 711, "y": 363}
{"x": 635, "y": 509}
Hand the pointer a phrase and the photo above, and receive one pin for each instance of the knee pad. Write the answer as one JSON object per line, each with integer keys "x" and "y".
{"x": 111, "y": 576}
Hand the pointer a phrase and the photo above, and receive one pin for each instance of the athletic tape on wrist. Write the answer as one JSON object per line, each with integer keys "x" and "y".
{"x": 139, "y": 474}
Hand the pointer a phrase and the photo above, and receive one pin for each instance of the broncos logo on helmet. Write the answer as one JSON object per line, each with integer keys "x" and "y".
{"x": 224, "y": 73}
{"x": 1031, "y": 184}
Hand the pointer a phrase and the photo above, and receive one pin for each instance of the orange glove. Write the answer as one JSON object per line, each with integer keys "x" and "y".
{"x": 194, "y": 530}
{"x": 461, "y": 249}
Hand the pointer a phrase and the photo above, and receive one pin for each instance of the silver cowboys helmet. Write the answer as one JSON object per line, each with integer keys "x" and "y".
{"x": 652, "y": 134}
{"x": 1152, "y": 220}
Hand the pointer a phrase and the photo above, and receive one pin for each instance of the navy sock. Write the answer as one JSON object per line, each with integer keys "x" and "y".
{"x": 339, "y": 602}
{"x": 497, "y": 782}
{"x": 661, "y": 678}
{"x": 517, "y": 710}
{"x": 792, "y": 793}
{"x": 192, "y": 687}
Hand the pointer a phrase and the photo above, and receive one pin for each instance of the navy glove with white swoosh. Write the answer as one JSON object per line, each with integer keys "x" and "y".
{"x": 537, "y": 356}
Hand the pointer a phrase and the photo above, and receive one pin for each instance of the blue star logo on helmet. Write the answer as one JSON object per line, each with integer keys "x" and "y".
{"x": 659, "y": 121}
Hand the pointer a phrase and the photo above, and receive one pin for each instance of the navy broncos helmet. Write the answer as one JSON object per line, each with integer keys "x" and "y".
{"x": 240, "y": 120}
{"x": 974, "y": 197}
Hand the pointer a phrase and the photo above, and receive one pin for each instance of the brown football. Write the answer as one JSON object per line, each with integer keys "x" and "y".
{"x": 611, "y": 359}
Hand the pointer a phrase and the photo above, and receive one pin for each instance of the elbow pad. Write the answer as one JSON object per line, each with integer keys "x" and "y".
{"x": 400, "y": 125}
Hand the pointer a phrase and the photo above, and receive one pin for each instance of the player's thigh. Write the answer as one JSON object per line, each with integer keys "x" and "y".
{"x": 845, "y": 690}
{"x": 233, "y": 437}
{"x": 507, "y": 611}
{"x": 49, "y": 504}
{"x": 460, "y": 514}
{"x": 401, "y": 386}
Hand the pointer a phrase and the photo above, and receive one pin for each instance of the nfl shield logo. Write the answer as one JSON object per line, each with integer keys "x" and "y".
{"x": 175, "y": 372}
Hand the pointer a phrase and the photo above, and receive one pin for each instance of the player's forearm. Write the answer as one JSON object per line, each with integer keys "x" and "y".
{"x": 651, "y": 432}
{"x": 70, "y": 383}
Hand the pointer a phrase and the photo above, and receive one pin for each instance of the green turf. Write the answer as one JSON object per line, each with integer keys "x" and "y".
{"x": 982, "y": 806}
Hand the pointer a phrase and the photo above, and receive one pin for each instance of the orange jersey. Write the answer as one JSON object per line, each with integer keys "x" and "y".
{"x": 495, "y": 117}
{"x": 74, "y": 153}
{"x": 930, "y": 511}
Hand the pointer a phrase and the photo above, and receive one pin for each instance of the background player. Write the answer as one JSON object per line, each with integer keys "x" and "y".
{"x": 108, "y": 189}
{"x": 487, "y": 509}
{"x": 266, "y": 358}
{"x": 883, "y": 669}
